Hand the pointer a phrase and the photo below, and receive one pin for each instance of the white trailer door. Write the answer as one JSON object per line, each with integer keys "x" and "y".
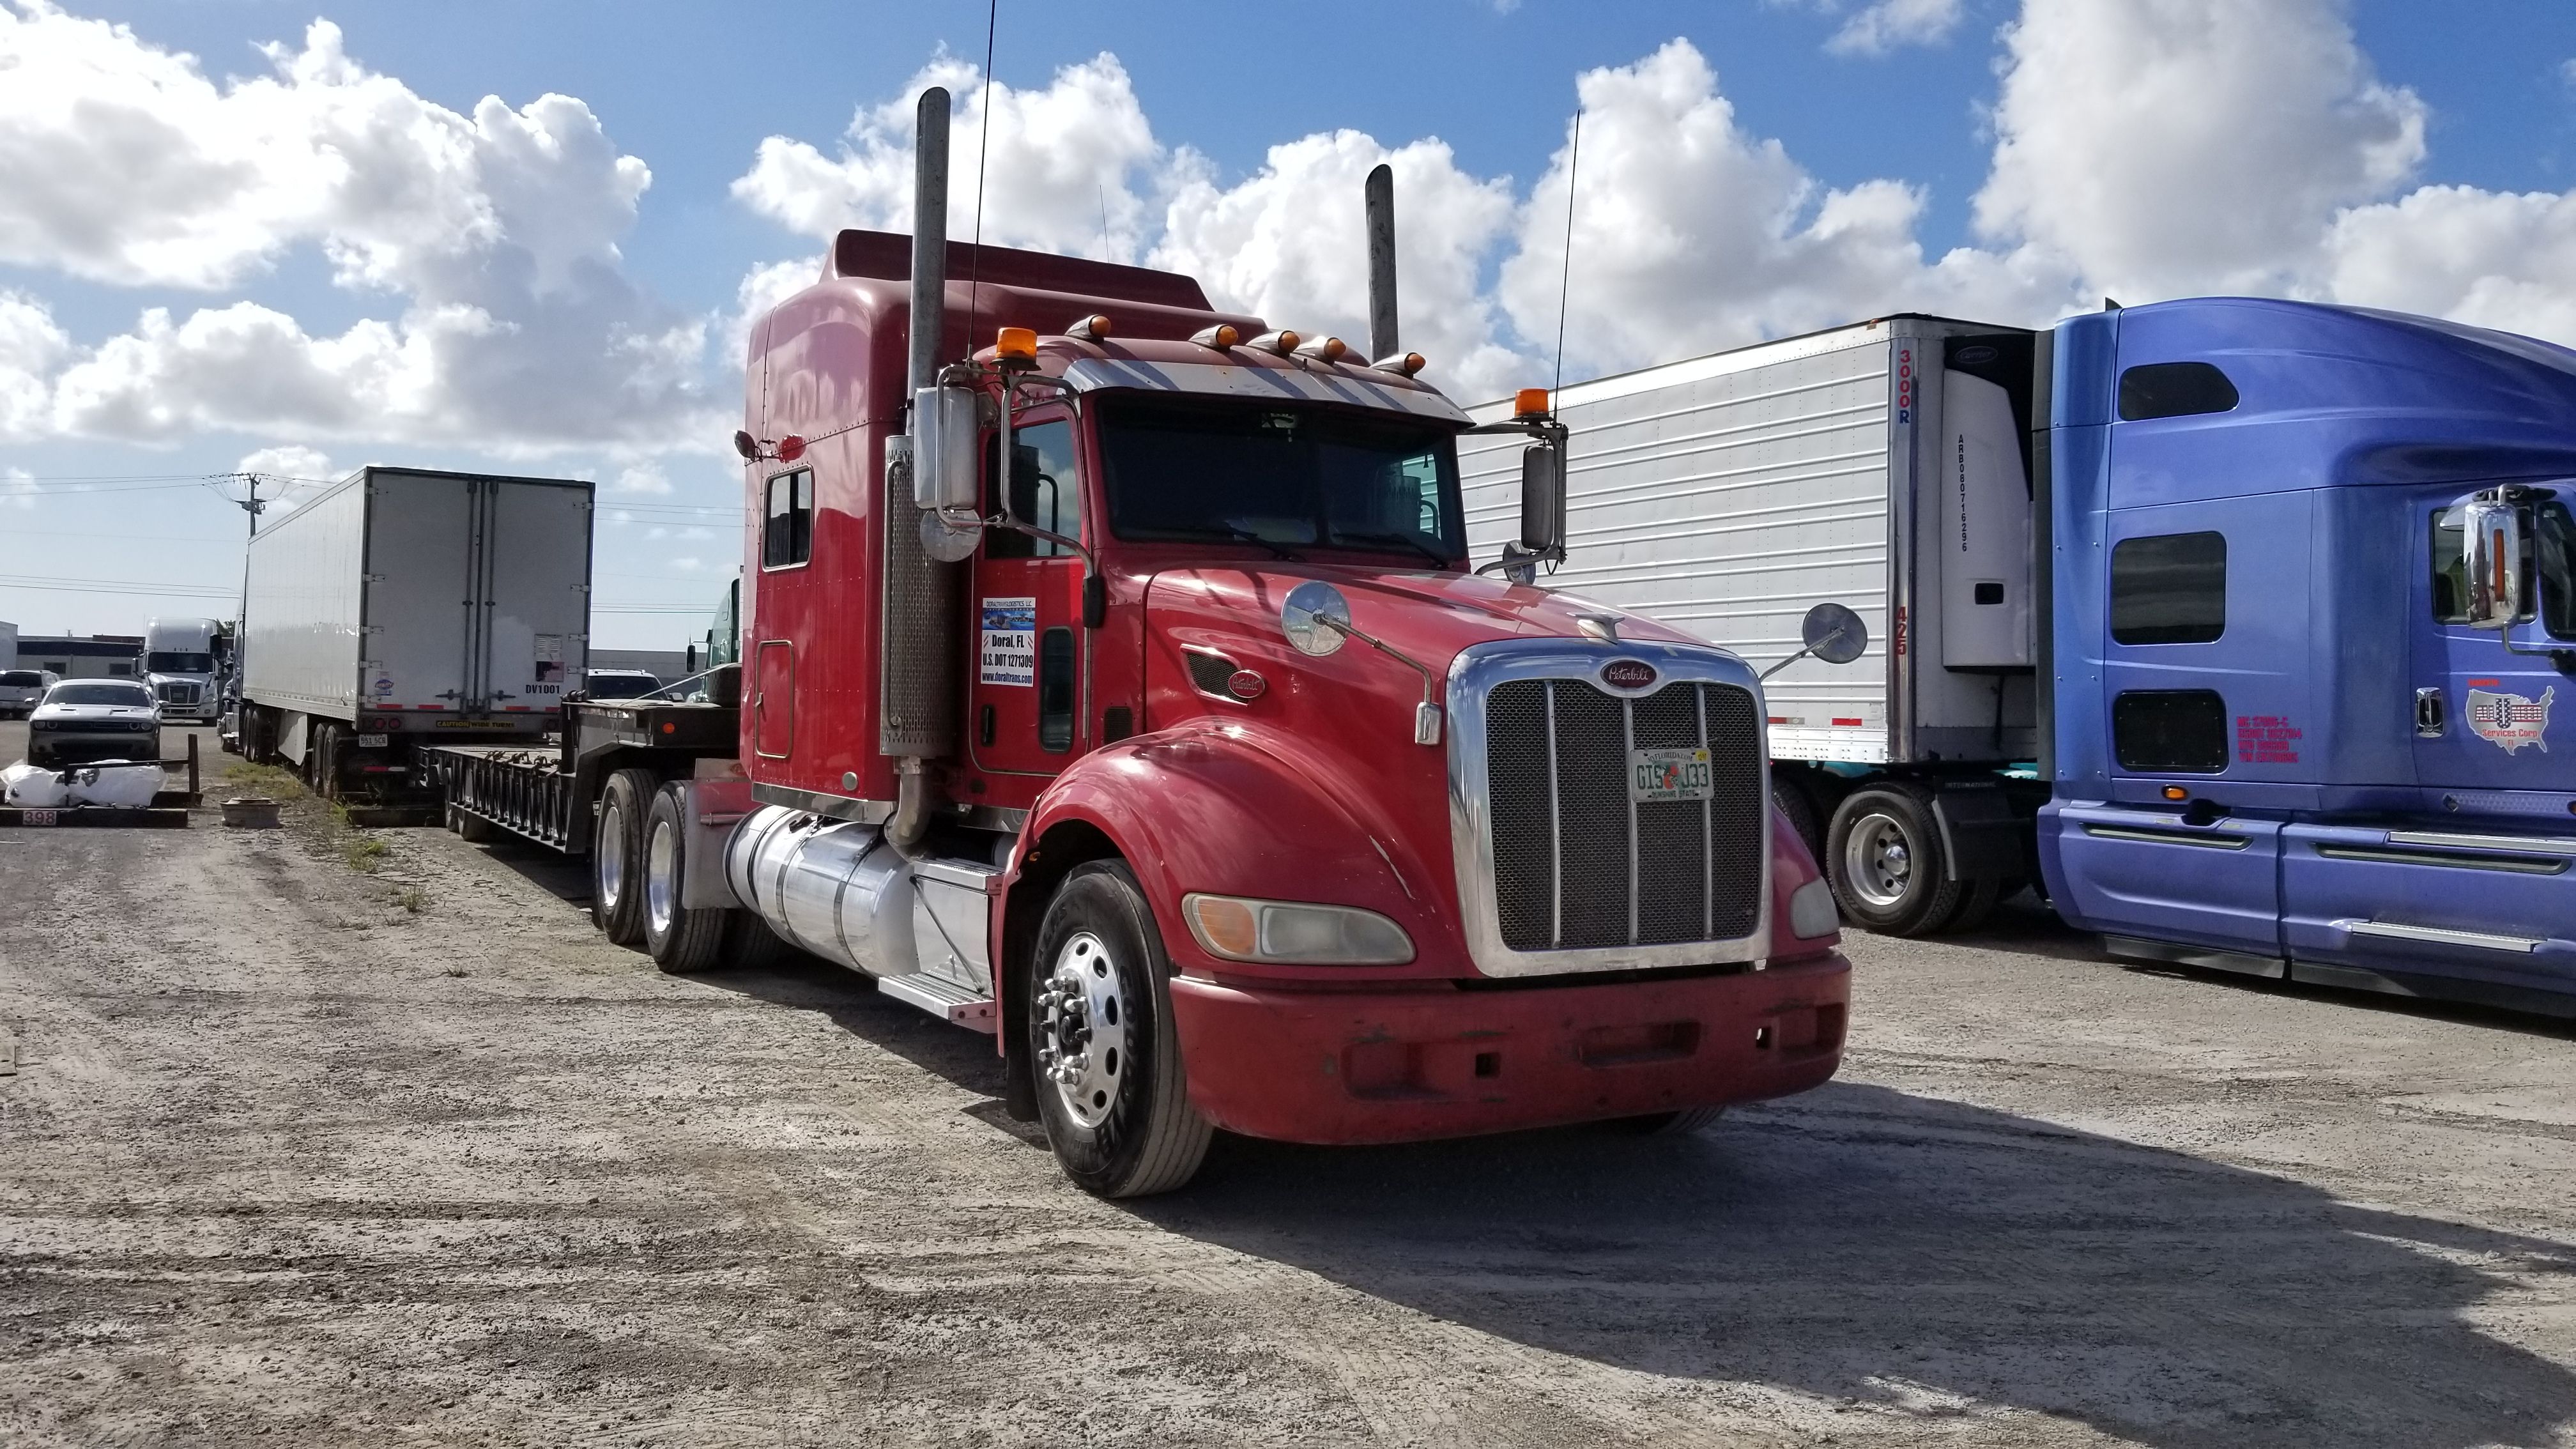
{"x": 419, "y": 593}
{"x": 536, "y": 593}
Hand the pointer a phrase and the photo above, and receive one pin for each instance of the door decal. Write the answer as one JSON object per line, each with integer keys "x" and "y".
{"x": 2511, "y": 720}
{"x": 1009, "y": 652}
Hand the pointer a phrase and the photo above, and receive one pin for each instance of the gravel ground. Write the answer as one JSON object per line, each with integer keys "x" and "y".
{"x": 307, "y": 1154}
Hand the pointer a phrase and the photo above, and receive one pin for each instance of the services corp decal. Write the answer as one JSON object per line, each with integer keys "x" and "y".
{"x": 2511, "y": 720}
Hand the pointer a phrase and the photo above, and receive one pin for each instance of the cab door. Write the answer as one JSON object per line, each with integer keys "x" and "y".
{"x": 1024, "y": 698}
{"x": 2484, "y": 886}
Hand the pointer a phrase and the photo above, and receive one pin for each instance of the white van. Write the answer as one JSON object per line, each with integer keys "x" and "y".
{"x": 21, "y": 688}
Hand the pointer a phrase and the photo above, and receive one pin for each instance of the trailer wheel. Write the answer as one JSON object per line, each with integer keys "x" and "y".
{"x": 1789, "y": 796}
{"x": 681, "y": 940}
{"x": 1107, "y": 1057}
{"x": 1885, "y": 860}
{"x": 616, "y": 900}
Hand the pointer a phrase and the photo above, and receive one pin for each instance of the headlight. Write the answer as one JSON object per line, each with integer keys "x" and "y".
{"x": 1291, "y": 933}
{"x": 1811, "y": 911}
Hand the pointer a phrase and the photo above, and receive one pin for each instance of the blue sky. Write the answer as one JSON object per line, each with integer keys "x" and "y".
{"x": 2402, "y": 123}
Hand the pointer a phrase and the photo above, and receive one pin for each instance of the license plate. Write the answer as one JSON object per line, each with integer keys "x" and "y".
{"x": 371, "y": 742}
{"x": 1655, "y": 775}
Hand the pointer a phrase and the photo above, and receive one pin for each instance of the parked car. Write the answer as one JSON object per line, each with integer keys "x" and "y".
{"x": 20, "y": 689}
{"x": 81, "y": 720}
{"x": 619, "y": 683}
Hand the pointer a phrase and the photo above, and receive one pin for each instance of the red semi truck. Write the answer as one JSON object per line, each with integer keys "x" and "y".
{"x": 1190, "y": 754}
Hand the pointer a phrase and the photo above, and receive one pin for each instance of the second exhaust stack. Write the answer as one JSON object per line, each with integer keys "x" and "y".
{"x": 1383, "y": 342}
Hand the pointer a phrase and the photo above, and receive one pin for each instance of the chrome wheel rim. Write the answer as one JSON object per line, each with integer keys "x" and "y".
{"x": 1878, "y": 860}
{"x": 661, "y": 876}
{"x": 1082, "y": 1029}
{"x": 610, "y": 853}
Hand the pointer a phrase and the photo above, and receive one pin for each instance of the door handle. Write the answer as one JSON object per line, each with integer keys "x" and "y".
{"x": 2430, "y": 713}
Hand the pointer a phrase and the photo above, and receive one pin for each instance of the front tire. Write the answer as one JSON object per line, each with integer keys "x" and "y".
{"x": 1112, "y": 1091}
{"x": 682, "y": 941}
{"x": 616, "y": 902}
{"x": 1886, "y": 863}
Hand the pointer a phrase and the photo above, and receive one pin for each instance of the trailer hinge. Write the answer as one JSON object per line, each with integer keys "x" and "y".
{"x": 373, "y": 578}
{"x": 371, "y": 628}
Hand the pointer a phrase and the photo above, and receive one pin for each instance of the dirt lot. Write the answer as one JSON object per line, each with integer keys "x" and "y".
{"x": 310, "y": 1154}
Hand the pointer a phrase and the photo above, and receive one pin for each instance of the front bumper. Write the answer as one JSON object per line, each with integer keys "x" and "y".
{"x": 1344, "y": 1067}
{"x": 79, "y": 747}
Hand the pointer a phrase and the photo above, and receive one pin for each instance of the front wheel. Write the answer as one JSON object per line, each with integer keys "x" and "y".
{"x": 1111, "y": 1089}
{"x": 681, "y": 940}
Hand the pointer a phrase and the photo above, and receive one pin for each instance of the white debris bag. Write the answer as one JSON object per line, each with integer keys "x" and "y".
{"x": 124, "y": 787}
{"x": 24, "y": 784}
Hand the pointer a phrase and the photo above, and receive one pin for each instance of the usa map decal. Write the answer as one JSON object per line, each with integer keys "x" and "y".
{"x": 2510, "y": 720}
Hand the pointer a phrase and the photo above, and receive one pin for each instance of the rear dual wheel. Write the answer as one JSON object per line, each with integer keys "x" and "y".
{"x": 681, "y": 939}
{"x": 616, "y": 846}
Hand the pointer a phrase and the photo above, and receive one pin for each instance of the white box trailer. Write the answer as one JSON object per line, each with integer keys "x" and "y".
{"x": 403, "y": 605}
{"x": 1885, "y": 466}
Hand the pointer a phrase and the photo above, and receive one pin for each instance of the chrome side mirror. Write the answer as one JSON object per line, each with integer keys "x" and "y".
{"x": 2491, "y": 549}
{"x": 946, "y": 435}
{"x": 1832, "y": 633}
{"x": 1543, "y": 499}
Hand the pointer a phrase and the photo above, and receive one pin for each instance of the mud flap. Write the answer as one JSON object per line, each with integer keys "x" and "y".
{"x": 1980, "y": 834}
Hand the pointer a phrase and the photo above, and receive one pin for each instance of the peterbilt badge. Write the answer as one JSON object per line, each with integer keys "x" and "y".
{"x": 1627, "y": 674}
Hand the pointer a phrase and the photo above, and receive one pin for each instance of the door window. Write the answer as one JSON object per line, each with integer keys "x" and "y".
{"x": 2169, "y": 589}
{"x": 787, "y": 520}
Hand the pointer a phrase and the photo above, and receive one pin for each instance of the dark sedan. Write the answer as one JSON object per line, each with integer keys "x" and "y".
{"x": 81, "y": 720}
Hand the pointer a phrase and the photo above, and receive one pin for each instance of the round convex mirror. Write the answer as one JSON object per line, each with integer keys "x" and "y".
{"x": 947, "y": 543}
{"x": 1308, "y": 603}
{"x": 1834, "y": 634}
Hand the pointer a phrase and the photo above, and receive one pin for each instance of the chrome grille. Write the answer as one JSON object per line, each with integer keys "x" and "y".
{"x": 178, "y": 692}
{"x": 1577, "y": 865}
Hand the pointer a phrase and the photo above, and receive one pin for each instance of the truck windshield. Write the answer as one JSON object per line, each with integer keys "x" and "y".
{"x": 172, "y": 661}
{"x": 1281, "y": 477}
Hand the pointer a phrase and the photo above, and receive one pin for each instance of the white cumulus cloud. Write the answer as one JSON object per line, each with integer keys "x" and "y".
{"x": 495, "y": 232}
{"x": 1885, "y": 25}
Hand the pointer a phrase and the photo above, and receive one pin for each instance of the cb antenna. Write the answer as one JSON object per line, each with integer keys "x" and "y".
{"x": 983, "y": 144}
{"x": 1565, "y": 277}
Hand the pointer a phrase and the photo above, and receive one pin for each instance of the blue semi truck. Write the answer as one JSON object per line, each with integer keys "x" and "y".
{"x": 2243, "y": 629}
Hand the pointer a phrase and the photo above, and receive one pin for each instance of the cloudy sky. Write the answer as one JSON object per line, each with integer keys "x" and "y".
{"x": 240, "y": 237}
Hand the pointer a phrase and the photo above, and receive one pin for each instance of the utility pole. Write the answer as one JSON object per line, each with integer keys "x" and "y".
{"x": 253, "y": 505}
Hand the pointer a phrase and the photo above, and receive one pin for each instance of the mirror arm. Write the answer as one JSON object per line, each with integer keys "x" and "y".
{"x": 1785, "y": 663}
{"x": 1426, "y": 715}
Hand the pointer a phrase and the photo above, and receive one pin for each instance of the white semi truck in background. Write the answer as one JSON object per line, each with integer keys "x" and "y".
{"x": 183, "y": 664}
{"x": 404, "y": 607}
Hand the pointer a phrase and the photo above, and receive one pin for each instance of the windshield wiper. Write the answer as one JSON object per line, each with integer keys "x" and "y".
{"x": 1400, "y": 540}
{"x": 1246, "y": 535}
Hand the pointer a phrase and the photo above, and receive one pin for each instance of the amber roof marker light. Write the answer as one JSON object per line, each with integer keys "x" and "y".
{"x": 1402, "y": 364}
{"x": 1090, "y": 329}
{"x": 1221, "y": 336}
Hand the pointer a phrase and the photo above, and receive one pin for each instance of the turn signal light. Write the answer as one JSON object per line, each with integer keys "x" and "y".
{"x": 2176, "y": 792}
{"x": 1530, "y": 402}
{"x": 1221, "y": 336}
{"x": 1016, "y": 344}
{"x": 790, "y": 448}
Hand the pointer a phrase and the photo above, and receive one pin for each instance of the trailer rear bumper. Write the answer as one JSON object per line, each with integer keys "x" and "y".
{"x": 1343, "y": 1067}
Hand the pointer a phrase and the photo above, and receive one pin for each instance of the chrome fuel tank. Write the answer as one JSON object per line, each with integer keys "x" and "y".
{"x": 833, "y": 888}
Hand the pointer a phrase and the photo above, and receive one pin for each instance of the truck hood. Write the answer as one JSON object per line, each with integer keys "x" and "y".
{"x": 1428, "y": 616}
{"x": 1345, "y": 722}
